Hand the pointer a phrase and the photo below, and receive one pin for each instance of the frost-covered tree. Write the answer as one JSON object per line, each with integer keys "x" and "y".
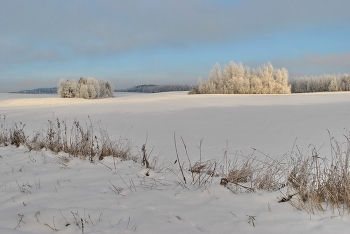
{"x": 215, "y": 76}
{"x": 227, "y": 81}
{"x": 267, "y": 78}
{"x": 89, "y": 88}
{"x": 102, "y": 85}
{"x": 67, "y": 89}
{"x": 93, "y": 87}
{"x": 84, "y": 91}
{"x": 91, "y": 92}
{"x": 109, "y": 89}
{"x": 256, "y": 86}
{"x": 345, "y": 83}
{"x": 62, "y": 87}
{"x": 333, "y": 85}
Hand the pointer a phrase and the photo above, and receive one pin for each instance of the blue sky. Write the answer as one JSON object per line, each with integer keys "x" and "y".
{"x": 135, "y": 42}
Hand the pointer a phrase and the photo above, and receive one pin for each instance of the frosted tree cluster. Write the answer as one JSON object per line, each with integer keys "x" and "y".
{"x": 323, "y": 83}
{"x": 88, "y": 88}
{"x": 237, "y": 79}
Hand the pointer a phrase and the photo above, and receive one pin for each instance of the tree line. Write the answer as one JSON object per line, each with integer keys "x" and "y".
{"x": 87, "y": 88}
{"x": 238, "y": 79}
{"x": 322, "y": 83}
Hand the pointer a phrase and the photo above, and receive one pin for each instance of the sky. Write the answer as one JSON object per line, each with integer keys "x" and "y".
{"x": 135, "y": 42}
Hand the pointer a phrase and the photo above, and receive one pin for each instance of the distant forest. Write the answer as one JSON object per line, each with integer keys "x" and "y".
{"x": 233, "y": 79}
{"x": 157, "y": 88}
{"x": 39, "y": 91}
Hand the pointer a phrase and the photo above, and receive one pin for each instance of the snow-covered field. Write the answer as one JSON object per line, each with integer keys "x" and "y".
{"x": 40, "y": 191}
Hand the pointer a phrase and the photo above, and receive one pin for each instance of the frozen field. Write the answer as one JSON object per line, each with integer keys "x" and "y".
{"x": 38, "y": 193}
{"x": 270, "y": 123}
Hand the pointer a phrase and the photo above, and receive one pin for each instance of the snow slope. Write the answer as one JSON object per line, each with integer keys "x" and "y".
{"x": 51, "y": 194}
{"x": 41, "y": 191}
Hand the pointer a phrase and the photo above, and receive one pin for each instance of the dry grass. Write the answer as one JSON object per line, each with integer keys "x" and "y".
{"x": 322, "y": 183}
{"x": 312, "y": 183}
{"x": 85, "y": 141}
{"x": 11, "y": 136}
{"x": 308, "y": 182}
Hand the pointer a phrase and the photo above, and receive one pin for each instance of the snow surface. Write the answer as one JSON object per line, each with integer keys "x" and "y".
{"x": 41, "y": 191}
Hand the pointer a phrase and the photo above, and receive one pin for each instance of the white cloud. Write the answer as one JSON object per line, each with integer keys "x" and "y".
{"x": 83, "y": 28}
